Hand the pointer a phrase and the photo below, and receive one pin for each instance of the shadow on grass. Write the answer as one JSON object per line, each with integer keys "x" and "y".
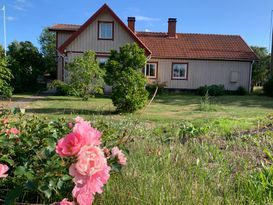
{"x": 69, "y": 111}
{"x": 254, "y": 101}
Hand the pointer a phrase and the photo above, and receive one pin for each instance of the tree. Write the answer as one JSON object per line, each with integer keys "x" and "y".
{"x": 5, "y": 76}
{"x": 123, "y": 73}
{"x": 260, "y": 69}
{"x": 26, "y": 65}
{"x": 85, "y": 76}
{"x": 47, "y": 41}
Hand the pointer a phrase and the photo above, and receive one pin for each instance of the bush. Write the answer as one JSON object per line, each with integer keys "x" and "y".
{"x": 36, "y": 174}
{"x": 213, "y": 90}
{"x": 123, "y": 73}
{"x": 268, "y": 87}
{"x": 62, "y": 88}
{"x": 241, "y": 91}
{"x": 85, "y": 75}
{"x": 5, "y": 77}
{"x": 151, "y": 87}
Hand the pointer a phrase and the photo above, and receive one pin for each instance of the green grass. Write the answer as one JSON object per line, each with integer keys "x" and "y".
{"x": 213, "y": 164}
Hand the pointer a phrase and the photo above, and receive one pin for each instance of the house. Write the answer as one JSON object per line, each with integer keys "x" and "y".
{"x": 182, "y": 60}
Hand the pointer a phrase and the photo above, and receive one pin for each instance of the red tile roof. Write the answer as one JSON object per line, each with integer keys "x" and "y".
{"x": 197, "y": 46}
{"x": 64, "y": 27}
{"x": 188, "y": 46}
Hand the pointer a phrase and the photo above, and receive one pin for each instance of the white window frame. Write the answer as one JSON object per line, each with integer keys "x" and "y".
{"x": 101, "y": 33}
{"x": 155, "y": 66}
{"x": 185, "y": 77}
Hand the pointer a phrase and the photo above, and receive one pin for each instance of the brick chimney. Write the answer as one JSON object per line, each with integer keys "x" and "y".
{"x": 131, "y": 23}
{"x": 172, "y": 28}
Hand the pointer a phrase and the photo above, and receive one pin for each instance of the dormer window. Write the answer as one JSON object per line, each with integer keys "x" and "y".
{"x": 106, "y": 30}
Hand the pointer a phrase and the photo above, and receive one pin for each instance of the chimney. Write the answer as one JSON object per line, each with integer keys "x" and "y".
{"x": 131, "y": 23}
{"x": 172, "y": 28}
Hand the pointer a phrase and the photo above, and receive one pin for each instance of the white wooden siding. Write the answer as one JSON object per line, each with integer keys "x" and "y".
{"x": 88, "y": 39}
{"x": 205, "y": 72}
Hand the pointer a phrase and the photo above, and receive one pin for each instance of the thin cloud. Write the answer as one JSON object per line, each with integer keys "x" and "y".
{"x": 147, "y": 30}
{"x": 145, "y": 18}
{"x": 21, "y": 5}
{"x": 10, "y": 18}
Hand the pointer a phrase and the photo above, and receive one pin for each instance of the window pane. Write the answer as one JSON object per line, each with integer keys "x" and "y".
{"x": 179, "y": 70}
{"x": 152, "y": 70}
{"x": 147, "y": 69}
{"x": 106, "y": 30}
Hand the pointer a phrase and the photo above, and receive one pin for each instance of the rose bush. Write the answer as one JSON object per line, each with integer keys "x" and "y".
{"x": 34, "y": 170}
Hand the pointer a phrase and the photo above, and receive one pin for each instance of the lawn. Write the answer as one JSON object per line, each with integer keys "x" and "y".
{"x": 179, "y": 154}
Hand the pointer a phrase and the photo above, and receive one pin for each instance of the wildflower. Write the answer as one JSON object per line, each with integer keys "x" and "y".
{"x": 116, "y": 152}
{"x": 3, "y": 169}
{"x": 13, "y": 130}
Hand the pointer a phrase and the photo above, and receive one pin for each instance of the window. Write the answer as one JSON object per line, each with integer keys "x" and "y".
{"x": 105, "y": 30}
{"x": 180, "y": 71}
{"x": 234, "y": 77}
{"x": 150, "y": 70}
{"x": 102, "y": 60}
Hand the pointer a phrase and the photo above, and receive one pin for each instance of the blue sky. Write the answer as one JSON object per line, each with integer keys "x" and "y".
{"x": 248, "y": 18}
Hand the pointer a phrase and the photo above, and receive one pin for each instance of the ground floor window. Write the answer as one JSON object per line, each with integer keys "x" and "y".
{"x": 102, "y": 60}
{"x": 180, "y": 71}
{"x": 150, "y": 70}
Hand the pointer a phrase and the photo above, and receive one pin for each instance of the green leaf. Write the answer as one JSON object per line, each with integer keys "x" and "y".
{"x": 13, "y": 195}
{"x": 20, "y": 171}
{"x": 45, "y": 190}
{"x": 66, "y": 177}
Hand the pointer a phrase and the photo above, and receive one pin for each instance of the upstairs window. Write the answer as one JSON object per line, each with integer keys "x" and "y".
{"x": 151, "y": 70}
{"x": 105, "y": 30}
{"x": 180, "y": 71}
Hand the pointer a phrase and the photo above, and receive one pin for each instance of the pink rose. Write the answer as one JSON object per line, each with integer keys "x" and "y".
{"x": 90, "y": 160}
{"x": 3, "y": 169}
{"x": 13, "y": 130}
{"x": 70, "y": 145}
{"x": 65, "y": 202}
{"x": 70, "y": 125}
{"x": 91, "y": 134}
{"x": 116, "y": 152}
{"x": 5, "y": 120}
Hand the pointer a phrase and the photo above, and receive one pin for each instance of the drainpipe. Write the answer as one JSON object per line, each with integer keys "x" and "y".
{"x": 250, "y": 77}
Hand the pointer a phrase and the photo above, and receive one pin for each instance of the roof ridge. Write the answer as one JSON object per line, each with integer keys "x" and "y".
{"x": 206, "y": 34}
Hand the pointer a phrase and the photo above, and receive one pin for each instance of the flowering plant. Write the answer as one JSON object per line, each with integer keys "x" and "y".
{"x": 90, "y": 170}
{"x": 34, "y": 170}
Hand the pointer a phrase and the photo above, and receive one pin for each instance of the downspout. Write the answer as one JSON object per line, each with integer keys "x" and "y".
{"x": 250, "y": 77}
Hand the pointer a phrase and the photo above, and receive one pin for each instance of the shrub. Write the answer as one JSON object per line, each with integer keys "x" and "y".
{"x": 36, "y": 174}
{"x": 85, "y": 75}
{"x": 268, "y": 87}
{"x": 62, "y": 88}
{"x": 151, "y": 87}
{"x": 213, "y": 90}
{"x": 241, "y": 91}
{"x": 123, "y": 73}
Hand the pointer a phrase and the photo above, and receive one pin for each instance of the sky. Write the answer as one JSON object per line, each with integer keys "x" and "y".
{"x": 248, "y": 18}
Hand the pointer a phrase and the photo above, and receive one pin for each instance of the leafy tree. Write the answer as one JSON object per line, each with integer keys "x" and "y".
{"x": 26, "y": 65}
{"x": 5, "y": 76}
{"x": 123, "y": 73}
{"x": 260, "y": 69}
{"x": 85, "y": 76}
{"x": 47, "y": 41}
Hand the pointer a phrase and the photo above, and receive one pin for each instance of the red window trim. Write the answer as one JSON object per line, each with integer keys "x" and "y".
{"x": 187, "y": 74}
{"x": 156, "y": 70}
{"x": 107, "y": 39}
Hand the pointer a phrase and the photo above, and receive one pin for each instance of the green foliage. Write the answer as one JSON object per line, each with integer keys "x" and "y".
{"x": 213, "y": 90}
{"x": 5, "y": 78}
{"x": 268, "y": 87}
{"x": 151, "y": 87}
{"x": 37, "y": 173}
{"x": 260, "y": 69}
{"x": 47, "y": 41}
{"x": 123, "y": 73}
{"x": 62, "y": 88}
{"x": 241, "y": 91}
{"x": 26, "y": 65}
{"x": 85, "y": 75}
{"x": 206, "y": 104}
